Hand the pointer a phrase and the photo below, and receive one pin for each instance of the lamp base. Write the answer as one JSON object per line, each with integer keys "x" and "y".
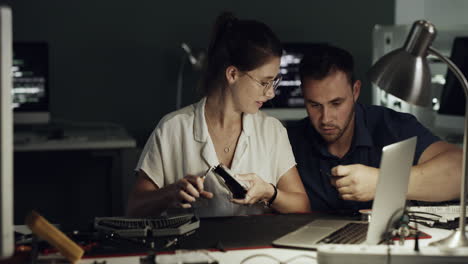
{"x": 455, "y": 240}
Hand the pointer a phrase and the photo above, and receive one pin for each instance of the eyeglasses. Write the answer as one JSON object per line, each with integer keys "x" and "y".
{"x": 267, "y": 84}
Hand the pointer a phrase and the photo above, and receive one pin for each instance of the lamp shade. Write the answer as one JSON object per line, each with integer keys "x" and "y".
{"x": 405, "y": 72}
{"x": 404, "y": 76}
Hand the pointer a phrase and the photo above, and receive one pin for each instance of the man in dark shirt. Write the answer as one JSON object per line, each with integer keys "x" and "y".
{"x": 338, "y": 148}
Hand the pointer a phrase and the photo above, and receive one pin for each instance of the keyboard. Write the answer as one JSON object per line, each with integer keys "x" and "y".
{"x": 173, "y": 225}
{"x": 352, "y": 233}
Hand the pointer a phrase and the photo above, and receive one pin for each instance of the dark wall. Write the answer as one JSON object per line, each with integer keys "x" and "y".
{"x": 117, "y": 61}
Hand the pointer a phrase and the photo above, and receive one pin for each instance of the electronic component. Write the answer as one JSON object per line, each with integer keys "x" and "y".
{"x": 238, "y": 189}
{"x": 143, "y": 227}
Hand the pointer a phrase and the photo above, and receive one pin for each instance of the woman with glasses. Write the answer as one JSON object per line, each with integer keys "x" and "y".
{"x": 225, "y": 127}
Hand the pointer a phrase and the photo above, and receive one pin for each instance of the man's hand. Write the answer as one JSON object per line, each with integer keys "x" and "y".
{"x": 355, "y": 182}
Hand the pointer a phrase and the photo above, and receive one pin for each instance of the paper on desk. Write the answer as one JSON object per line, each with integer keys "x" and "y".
{"x": 186, "y": 257}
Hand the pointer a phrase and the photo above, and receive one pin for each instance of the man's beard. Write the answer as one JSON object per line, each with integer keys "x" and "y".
{"x": 341, "y": 131}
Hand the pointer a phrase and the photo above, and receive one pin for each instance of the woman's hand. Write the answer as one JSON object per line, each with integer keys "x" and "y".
{"x": 187, "y": 190}
{"x": 259, "y": 190}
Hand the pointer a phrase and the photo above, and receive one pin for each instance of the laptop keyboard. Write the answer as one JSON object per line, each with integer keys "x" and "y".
{"x": 352, "y": 233}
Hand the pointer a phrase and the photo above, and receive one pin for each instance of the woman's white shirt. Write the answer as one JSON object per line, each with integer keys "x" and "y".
{"x": 181, "y": 145}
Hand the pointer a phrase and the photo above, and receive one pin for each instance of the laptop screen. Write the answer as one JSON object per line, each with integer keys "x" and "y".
{"x": 392, "y": 187}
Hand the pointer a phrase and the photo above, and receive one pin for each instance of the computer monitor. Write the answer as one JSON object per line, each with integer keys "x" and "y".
{"x": 452, "y": 100}
{"x": 288, "y": 93}
{"x": 288, "y": 103}
{"x": 6, "y": 135}
{"x": 30, "y": 83}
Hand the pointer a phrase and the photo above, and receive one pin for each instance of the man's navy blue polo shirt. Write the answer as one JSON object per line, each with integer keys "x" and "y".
{"x": 375, "y": 127}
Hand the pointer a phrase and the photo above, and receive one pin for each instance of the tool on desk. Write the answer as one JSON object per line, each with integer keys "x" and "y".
{"x": 210, "y": 169}
{"x": 441, "y": 216}
{"x": 42, "y": 228}
{"x": 402, "y": 231}
{"x": 437, "y": 223}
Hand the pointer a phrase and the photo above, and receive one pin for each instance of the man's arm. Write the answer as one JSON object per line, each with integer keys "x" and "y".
{"x": 435, "y": 178}
{"x": 437, "y": 175}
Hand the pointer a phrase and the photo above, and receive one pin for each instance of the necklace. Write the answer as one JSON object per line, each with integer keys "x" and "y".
{"x": 231, "y": 140}
{"x": 231, "y": 137}
{"x": 227, "y": 147}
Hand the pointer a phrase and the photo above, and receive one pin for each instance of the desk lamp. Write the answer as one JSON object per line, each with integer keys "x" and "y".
{"x": 405, "y": 73}
{"x": 197, "y": 64}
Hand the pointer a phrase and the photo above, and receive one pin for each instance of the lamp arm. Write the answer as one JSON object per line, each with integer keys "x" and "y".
{"x": 180, "y": 81}
{"x": 461, "y": 78}
{"x": 464, "y": 84}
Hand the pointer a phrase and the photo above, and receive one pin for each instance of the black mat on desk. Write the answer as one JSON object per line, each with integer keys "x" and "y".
{"x": 221, "y": 233}
{"x": 244, "y": 231}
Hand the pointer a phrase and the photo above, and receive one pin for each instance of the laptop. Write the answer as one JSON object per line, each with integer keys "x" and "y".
{"x": 387, "y": 207}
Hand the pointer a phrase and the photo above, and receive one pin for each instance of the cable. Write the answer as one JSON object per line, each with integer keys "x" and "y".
{"x": 35, "y": 250}
{"x": 259, "y": 255}
{"x": 421, "y": 212}
{"x": 416, "y": 238}
{"x": 299, "y": 256}
{"x": 423, "y": 222}
{"x": 416, "y": 215}
{"x": 388, "y": 234}
{"x": 276, "y": 259}
{"x": 426, "y": 221}
{"x": 389, "y": 255}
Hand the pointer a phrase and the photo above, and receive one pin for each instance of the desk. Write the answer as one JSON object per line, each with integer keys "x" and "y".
{"x": 300, "y": 256}
{"x": 240, "y": 236}
{"x": 71, "y": 179}
{"x": 77, "y": 143}
{"x": 244, "y": 236}
{"x": 72, "y": 138}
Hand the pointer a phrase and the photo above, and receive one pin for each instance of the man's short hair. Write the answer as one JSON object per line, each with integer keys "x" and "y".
{"x": 321, "y": 60}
